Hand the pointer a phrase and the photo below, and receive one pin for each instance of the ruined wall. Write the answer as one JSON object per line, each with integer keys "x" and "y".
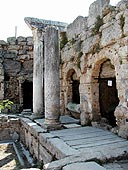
{"x": 16, "y": 66}
{"x": 92, "y": 40}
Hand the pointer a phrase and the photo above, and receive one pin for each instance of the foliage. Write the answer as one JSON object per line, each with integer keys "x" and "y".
{"x": 97, "y": 26}
{"x": 5, "y": 104}
{"x": 63, "y": 40}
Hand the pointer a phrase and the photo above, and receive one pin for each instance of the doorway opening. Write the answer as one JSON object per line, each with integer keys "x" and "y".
{"x": 75, "y": 89}
{"x": 108, "y": 95}
{"x": 27, "y": 87}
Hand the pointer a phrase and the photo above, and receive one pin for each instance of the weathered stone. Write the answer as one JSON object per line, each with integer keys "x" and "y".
{"x": 2, "y": 42}
{"x": 123, "y": 131}
{"x": 108, "y": 36}
{"x": 122, "y": 5}
{"x": 121, "y": 114}
{"x": 20, "y": 39}
{"x": 13, "y": 47}
{"x": 10, "y": 55}
{"x": 95, "y": 10}
{"x": 89, "y": 44}
{"x": 44, "y": 155}
{"x": 84, "y": 166}
{"x": 125, "y": 28}
{"x": 52, "y": 84}
{"x": 28, "y": 66}
{"x": 29, "y": 40}
{"x": 11, "y": 40}
{"x": 42, "y": 24}
{"x": 12, "y": 66}
{"x": 38, "y": 74}
{"x": 74, "y": 29}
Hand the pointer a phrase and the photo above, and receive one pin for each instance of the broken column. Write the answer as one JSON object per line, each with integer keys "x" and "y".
{"x": 38, "y": 74}
{"x": 52, "y": 82}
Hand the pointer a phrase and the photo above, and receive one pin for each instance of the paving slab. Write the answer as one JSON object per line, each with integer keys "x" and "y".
{"x": 63, "y": 119}
{"x": 84, "y": 166}
{"x": 73, "y": 125}
{"x": 67, "y": 119}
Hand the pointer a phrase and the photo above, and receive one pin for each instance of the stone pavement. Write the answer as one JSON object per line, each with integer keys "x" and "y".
{"x": 82, "y": 144}
{"x": 76, "y": 144}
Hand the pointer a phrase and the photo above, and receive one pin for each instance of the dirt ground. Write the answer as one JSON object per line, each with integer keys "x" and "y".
{"x": 8, "y": 158}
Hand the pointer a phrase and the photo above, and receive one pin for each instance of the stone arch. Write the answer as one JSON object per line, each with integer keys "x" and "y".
{"x": 71, "y": 89}
{"x": 73, "y": 86}
{"x": 101, "y": 75}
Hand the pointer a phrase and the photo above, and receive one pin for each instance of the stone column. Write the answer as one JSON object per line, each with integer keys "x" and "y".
{"x": 38, "y": 74}
{"x": 52, "y": 81}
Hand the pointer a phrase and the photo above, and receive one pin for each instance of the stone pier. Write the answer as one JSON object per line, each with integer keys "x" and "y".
{"x": 52, "y": 82}
{"x": 38, "y": 74}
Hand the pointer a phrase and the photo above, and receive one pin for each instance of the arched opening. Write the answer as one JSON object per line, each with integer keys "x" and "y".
{"x": 75, "y": 91}
{"x": 27, "y": 88}
{"x": 73, "y": 87}
{"x": 108, "y": 96}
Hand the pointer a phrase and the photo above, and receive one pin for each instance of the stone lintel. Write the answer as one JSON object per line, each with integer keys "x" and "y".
{"x": 42, "y": 23}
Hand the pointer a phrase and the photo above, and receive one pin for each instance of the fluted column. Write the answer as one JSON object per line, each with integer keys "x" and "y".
{"x": 38, "y": 74}
{"x": 52, "y": 82}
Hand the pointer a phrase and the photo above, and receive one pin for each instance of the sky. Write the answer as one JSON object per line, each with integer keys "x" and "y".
{"x": 13, "y": 12}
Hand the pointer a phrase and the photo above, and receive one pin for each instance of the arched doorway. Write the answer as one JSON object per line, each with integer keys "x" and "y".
{"x": 73, "y": 87}
{"x": 108, "y": 96}
{"x": 27, "y": 88}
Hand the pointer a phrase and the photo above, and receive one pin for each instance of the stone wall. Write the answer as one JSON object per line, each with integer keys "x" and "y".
{"x": 16, "y": 66}
{"x": 103, "y": 36}
{"x": 8, "y": 127}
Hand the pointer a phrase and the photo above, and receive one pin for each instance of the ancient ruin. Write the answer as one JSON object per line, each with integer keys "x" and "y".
{"x": 77, "y": 70}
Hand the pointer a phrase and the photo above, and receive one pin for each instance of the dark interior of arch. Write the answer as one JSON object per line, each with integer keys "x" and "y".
{"x": 27, "y": 87}
{"x": 108, "y": 95}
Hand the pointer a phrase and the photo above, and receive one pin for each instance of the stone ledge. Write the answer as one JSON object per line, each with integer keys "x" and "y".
{"x": 84, "y": 166}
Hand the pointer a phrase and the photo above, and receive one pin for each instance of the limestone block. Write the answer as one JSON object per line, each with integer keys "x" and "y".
{"x": 24, "y": 57}
{"x": 12, "y": 66}
{"x": 68, "y": 54}
{"x": 44, "y": 155}
{"x": 75, "y": 28}
{"x": 22, "y": 43}
{"x": 2, "y": 42}
{"x": 122, "y": 5}
{"x": 10, "y": 55}
{"x": 13, "y": 51}
{"x": 95, "y": 10}
{"x": 13, "y": 47}
{"x": 35, "y": 130}
{"x": 35, "y": 145}
{"x": 109, "y": 36}
{"x": 29, "y": 40}
{"x": 26, "y": 48}
{"x": 20, "y": 38}
{"x": 109, "y": 17}
{"x": 121, "y": 114}
{"x": 123, "y": 51}
{"x": 126, "y": 22}
{"x": 11, "y": 40}
{"x": 21, "y": 52}
{"x": 84, "y": 166}
{"x": 89, "y": 43}
{"x": 123, "y": 131}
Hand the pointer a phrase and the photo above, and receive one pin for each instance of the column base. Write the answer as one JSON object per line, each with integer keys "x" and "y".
{"x": 52, "y": 125}
{"x": 37, "y": 116}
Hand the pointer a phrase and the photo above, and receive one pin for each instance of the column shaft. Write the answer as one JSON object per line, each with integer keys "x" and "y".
{"x": 38, "y": 74}
{"x": 52, "y": 82}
